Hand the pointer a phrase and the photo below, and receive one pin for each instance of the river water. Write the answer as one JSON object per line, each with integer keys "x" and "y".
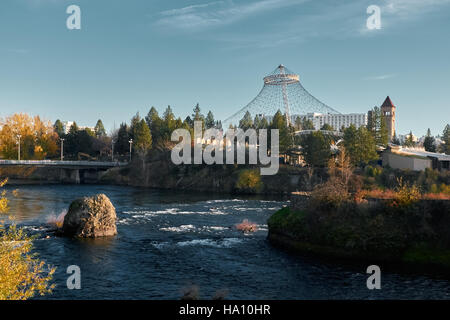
{"x": 170, "y": 241}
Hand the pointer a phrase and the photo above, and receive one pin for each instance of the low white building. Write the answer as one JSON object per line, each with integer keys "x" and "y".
{"x": 68, "y": 124}
{"x": 416, "y": 159}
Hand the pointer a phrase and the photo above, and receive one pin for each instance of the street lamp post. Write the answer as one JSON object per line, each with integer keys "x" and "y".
{"x": 131, "y": 143}
{"x": 18, "y": 143}
{"x": 112, "y": 150}
{"x": 62, "y": 149}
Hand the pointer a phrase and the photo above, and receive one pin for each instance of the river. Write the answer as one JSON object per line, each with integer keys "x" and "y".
{"x": 169, "y": 241}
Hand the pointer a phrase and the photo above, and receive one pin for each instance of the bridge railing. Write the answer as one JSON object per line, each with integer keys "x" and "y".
{"x": 64, "y": 163}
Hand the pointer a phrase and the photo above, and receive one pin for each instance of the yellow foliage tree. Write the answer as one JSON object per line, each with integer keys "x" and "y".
{"x": 22, "y": 274}
{"x": 34, "y": 133}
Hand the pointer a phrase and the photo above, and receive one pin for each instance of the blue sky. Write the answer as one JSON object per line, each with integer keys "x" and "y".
{"x": 131, "y": 55}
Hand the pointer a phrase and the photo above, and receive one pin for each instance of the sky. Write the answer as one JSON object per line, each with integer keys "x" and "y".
{"x": 130, "y": 55}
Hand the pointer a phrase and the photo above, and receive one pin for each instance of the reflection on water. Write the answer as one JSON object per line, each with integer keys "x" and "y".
{"x": 169, "y": 240}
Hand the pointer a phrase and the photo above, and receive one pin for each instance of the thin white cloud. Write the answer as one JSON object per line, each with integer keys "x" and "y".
{"x": 218, "y": 13}
{"x": 17, "y": 51}
{"x": 382, "y": 77}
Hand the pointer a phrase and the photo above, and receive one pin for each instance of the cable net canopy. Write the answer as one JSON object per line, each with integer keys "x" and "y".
{"x": 282, "y": 91}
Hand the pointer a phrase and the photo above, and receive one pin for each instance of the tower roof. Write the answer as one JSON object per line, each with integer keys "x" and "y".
{"x": 387, "y": 103}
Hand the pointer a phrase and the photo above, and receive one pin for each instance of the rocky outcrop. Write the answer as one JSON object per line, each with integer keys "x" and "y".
{"x": 90, "y": 217}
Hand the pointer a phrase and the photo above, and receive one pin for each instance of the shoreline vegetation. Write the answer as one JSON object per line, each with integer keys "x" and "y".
{"x": 346, "y": 220}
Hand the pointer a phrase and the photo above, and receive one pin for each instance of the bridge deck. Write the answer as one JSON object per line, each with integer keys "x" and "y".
{"x": 65, "y": 164}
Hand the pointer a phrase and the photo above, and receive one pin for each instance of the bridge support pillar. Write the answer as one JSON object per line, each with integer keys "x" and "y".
{"x": 70, "y": 176}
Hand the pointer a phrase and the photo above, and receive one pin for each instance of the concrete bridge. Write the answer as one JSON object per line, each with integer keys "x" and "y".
{"x": 69, "y": 171}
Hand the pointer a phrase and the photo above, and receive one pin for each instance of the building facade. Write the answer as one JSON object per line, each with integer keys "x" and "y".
{"x": 337, "y": 121}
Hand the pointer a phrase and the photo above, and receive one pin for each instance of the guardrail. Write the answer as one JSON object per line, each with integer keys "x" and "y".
{"x": 64, "y": 163}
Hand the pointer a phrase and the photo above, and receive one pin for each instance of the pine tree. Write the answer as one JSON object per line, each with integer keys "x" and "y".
{"x": 360, "y": 145}
{"x": 429, "y": 142}
{"x": 100, "y": 129}
{"x": 155, "y": 123}
{"x": 377, "y": 126}
{"x": 142, "y": 137}
{"x": 246, "y": 122}
{"x": 315, "y": 149}
{"x": 446, "y": 139}
{"x": 59, "y": 128}
{"x": 409, "y": 142}
{"x": 209, "y": 121}
{"x": 123, "y": 138}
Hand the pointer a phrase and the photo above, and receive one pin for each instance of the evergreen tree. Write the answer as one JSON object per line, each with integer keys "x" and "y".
{"x": 327, "y": 127}
{"x": 409, "y": 142}
{"x": 307, "y": 124}
{"x": 445, "y": 147}
{"x": 100, "y": 129}
{"x": 377, "y": 126}
{"x": 316, "y": 149}
{"x": 257, "y": 122}
{"x": 189, "y": 122}
{"x": 167, "y": 127}
{"x": 298, "y": 123}
{"x": 429, "y": 142}
{"x": 123, "y": 138}
{"x": 142, "y": 138}
{"x": 360, "y": 145}
{"x": 197, "y": 115}
{"x": 285, "y": 132}
{"x": 73, "y": 129}
{"x": 59, "y": 128}
{"x": 209, "y": 121}
{"x": 246, "y": 122}
{"x": 264, "y": 123}
{"x": 396, "y": 140}
{"x": 155, "y": 123}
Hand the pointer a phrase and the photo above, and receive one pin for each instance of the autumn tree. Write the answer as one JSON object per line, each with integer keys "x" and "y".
{"x": 22, "y": 274}
{"x": 38, "y": 139}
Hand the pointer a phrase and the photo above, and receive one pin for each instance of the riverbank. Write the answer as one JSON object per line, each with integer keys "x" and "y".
{"x": 373, "y": 230}
{"x": 159, "y": 172}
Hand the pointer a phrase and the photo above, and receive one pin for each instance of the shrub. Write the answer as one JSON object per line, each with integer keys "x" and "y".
{"x": 332, "y": 193}
{"x": 22, "y": 274}
{"x": 406, "y": 194}
{"x": 249, "y": 181}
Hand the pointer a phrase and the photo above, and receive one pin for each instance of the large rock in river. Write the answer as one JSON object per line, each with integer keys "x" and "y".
{"x": 90, "y": 217}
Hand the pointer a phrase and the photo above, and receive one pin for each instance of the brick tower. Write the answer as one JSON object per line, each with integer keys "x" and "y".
{"x": 388, "y": 110}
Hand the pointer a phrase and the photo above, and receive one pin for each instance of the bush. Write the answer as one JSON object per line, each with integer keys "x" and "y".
{"x": 22, "y": 274}
{"x": 249, "y": 181}
{"x": 330, "y": 194}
